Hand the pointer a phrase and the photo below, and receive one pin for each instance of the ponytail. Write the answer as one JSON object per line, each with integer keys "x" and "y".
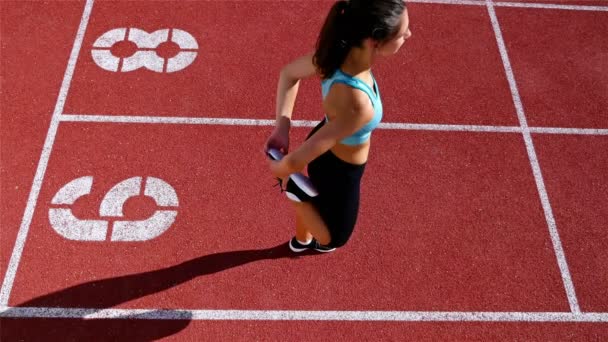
{"x": 348, "y": 23}
{"x": 332, "y": 44}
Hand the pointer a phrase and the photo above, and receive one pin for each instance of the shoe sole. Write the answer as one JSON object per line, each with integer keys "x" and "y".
{"x": 298, "y": 178}
{"x": 299, "y": 250}
{"x": 304, "y": 184}
{"x": 324, "y": 250}
{"x": 296, "y": 250}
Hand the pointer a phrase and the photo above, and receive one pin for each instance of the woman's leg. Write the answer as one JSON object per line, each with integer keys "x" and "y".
{"x": 309, "y": 222}
{"x": 302, "y": 233}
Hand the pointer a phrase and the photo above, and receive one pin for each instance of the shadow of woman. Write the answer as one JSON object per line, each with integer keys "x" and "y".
{"x": 110, "y": 292}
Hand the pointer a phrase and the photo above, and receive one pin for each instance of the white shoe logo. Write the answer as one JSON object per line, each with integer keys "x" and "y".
{"x": 145, "y": 56}
{"x": 70, "y": 227}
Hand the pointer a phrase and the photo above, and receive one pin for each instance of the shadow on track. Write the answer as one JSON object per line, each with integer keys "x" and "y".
{"x": 110, "y": 292}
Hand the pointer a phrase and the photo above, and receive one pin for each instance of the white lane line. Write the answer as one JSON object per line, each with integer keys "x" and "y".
{"x": 552, "y": 6}
{"x": 280, "y": 315}
{"x": 558, "y": 130}
{"x": 516, "y": 4}
{"x": 170, "y": 120}
{"x": 307, "y": 123}
{"x": 9, "y": 278}
{"x": 457, "y": 128}
{"x": 450, "y": 2}
{"x": 259, "y": 122}
{"x": 540, "y": 184}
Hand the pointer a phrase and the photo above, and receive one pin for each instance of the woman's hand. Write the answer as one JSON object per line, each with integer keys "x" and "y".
{"x": 280, "y": 169}
{"x": 279, "y": 139}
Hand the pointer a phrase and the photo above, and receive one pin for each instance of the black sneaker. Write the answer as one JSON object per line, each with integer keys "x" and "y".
{"x": 297, "y": 247}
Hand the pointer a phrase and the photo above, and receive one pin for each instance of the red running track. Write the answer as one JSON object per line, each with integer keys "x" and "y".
{"x": 450, "y": 221}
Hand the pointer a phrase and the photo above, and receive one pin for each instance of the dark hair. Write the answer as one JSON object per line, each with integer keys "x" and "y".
{"x": 348, "y": 24}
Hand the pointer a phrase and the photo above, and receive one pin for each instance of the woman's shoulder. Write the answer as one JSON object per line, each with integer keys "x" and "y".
{"x": 343, "y": 99}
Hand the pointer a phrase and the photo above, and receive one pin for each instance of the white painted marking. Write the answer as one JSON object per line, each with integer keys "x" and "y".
{"x": 184, "y": 39}
{"x": 108, "y": 39}
{"x": 164, "y": 195}
{"x": 72, "y": 191}
{"x": 553, "y": 6}
{"x": 72, "y": 228}
{"x": 180, "y": 61}
{"x": 105, "y": 60}
{"x": 144, "y": 230}
{"x": 115, "y": 198}
{"x": 145, "y": 40}
{"x": 579, "y": 131}
{"x": 459, "y": 128}
{"x": 544, "y": 197}
{"x": 515, "y": 4}
{"x": 184, "y": 58}
{"x": 161, "y": 191}
{"x": 13, "y": 265}
{"x": 146, "y": 56}
{"x": 175, "y": 120}
{"x": 67, "y": 225}
{"x": 285, "y": 315}
{"x": 450, "y": 2}
{"x": 306, "y": 123}
{"x": 143, "y": 59}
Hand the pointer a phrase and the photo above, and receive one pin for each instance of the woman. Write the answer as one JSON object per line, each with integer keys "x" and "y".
{"x": 354, "y": 35}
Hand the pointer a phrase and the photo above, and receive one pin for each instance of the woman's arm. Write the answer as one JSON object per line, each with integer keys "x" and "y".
{"x": 287, "y": 88}
{"x": 350, "y": 110}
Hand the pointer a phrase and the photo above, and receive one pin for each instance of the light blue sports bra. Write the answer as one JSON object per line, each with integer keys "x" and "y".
{"x": 365, "y": 132}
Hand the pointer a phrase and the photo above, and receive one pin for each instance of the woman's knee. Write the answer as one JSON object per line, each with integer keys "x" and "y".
{"x": 339, "y": 237}
{"x": 336, "y": 243}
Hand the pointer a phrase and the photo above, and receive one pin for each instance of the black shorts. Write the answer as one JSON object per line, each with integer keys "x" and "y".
{"x": 338, "y": 183}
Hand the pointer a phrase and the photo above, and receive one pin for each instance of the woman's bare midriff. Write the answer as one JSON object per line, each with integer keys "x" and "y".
{"x": 356, "y": 154}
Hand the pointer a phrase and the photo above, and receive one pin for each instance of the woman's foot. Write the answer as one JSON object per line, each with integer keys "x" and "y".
{"x": 297, "y": 246}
